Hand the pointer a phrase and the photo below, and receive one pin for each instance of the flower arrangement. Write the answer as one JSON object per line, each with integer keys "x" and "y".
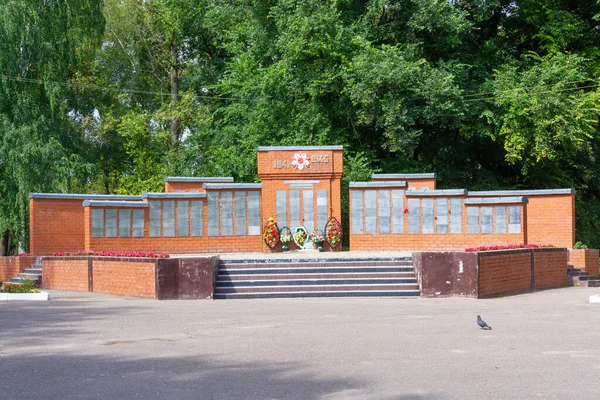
{"x": 25, "y": 254}
{"x": 300, "y": 236}
{"x": 285, "y": 237}
{"x": 333, "y": 232}
{"x": 507, "y": 247}
{"x": 271, "y": 233}
{"x": 317, "y": 237}
{"x": 144, "y": 254}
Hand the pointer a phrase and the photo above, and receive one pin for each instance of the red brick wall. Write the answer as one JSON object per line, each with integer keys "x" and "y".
{"x": 56, "y": 225}
{"x": 417, "y": 183}
{"x": 183, "y": 186}
{"x": 504, "y": 272}
{"x": 585, "y": 259}
{"x": 125, "y": 278}
{"x": 550, "y": 268}
{"x": 65, "y": 274}
{"x": 551, "y": 220}
{"x": 447, "y": 241}
{"x": 11, "y": 266}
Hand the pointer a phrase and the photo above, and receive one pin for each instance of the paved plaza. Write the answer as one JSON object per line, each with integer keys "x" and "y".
{"x": 543, "y": 345}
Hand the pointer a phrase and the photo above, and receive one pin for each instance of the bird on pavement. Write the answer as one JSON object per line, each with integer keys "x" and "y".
{"x": 482, "y": 324}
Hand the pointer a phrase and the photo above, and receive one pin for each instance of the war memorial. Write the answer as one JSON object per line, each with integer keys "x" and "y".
{"x": 297, "y": 202}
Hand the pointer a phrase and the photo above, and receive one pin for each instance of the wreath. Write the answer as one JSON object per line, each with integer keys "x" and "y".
{"x": 271, "y": 233}
{"x": 300, "y": 236}
{"x": 333, "y": 232}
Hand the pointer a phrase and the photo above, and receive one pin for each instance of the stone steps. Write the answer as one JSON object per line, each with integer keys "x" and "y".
{"x": 298, "y": 278}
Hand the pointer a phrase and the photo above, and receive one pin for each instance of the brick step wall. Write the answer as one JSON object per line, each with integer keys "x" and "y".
{"x": 382, "y": 277}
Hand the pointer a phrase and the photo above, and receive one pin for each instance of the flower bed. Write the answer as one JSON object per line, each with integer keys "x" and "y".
{"x": 508, "y": 247}
{"x": 142, "y": 254}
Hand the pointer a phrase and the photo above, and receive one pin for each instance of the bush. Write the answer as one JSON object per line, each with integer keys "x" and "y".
{"x": 579, "y": 245}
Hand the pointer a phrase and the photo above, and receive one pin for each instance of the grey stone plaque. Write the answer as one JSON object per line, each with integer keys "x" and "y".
{"x": 472, "y": 219}
{"x": 294, "y": 209}
{"x": 281, "y": 206}
{"x": 486, "y": 220}
{"x": 240, "y": 212}
{"x": 197, "y": 218}
{"x": 254, "y": 213}
{"x": 124, "y": 223}
{"x": 111, "y": 222}
{"x": 514, "y": 219}
{"x": 456, "y": 215}
{"x": 370, "y": 212}
{"x": 397, "y": 211}
{"x": 309, "y": 210}
{"x": 213, "y": 213}
{"x": 138, "y": 223}
{"x": 226, "y": 214}
{"x": 441, "y": 213}
{"x": 500, "y": 219}
{"x": 97, "y": 222}
{"x": 357, "y": 212}
{"x": 322, "y": 208}
{"x": 183, "y": 218}
{"x": 168, "y": 218}
{"x": 428, "y": 215}
{"x": 155, "y": 218}
{"x": 383, "y": 211}
{"x": 414, "y": 215}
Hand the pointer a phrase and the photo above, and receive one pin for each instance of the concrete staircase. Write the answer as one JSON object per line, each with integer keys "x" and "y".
{"x": 34, "y": 273}
{"x": 316, "y": 277}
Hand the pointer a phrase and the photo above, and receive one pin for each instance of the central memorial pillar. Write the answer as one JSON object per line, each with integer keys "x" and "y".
{"x": 301, "y": 186}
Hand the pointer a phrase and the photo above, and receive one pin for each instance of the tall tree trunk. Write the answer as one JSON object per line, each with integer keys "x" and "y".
{"x": 174, "y": 90}
{"x": 5, "y": 243}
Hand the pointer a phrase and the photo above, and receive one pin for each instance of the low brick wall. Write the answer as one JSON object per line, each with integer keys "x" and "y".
{"x": 490, "y": 273}
{"x": 587, "y": 260}
{"x": 504, "y": 272}
{"x": 11, "y": 266}
{"x": 184, "y": 278}
{"x": 550, "y": 268}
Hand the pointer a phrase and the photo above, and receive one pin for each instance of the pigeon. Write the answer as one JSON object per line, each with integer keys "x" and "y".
{"x": 482, "y": 324}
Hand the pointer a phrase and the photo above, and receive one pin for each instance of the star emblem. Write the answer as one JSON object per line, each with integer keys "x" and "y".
{"x": 300, "y": 161}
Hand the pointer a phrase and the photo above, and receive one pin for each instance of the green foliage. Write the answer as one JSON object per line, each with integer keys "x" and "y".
{"x": 579, "y": 245}
{"x": 26, "y": 286}
{"x": 111, "y": 96}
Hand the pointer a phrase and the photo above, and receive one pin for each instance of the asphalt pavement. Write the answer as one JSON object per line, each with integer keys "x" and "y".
{"x": 543, "y": 345}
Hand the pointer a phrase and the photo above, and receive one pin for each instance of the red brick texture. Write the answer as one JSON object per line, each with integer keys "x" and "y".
{"x": 504, "y": 272}
{"x": 65, "y": 274}
{"x": 586, "y": 260}
{"x": 11, "y": 266}
{"x": 550, "y": 268}
{"x": 510, "y": 271}
{"x": 125, "y": 278}
{"x": 56, "y": 225}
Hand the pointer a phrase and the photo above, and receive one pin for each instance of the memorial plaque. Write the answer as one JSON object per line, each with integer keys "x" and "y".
{"x": 384, "y": 211}
{"x": 397, "y": 211}
{"x": 357, "y": 212}
{"x": 124, "y": 223}
{"x": 97, "y": 222}
{"x": 240, "y": 213}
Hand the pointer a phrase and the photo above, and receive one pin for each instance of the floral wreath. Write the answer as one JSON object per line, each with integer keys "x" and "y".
{"x": 300, "y": 236}
{"x": 271, "y": 233}
{"x": 333, "y": 232}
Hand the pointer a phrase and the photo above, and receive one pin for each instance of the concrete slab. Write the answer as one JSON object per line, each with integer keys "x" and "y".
{"x": 543, "y": 345}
